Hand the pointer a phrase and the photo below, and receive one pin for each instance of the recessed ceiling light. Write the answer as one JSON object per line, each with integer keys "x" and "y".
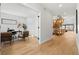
{"x": 60, "y": 5}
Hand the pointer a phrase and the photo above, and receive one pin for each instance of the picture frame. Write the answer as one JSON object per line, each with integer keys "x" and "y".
{"x": 8, "y": 21}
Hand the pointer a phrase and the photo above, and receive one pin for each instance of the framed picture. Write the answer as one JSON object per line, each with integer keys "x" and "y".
{"x": 8, "y": 21}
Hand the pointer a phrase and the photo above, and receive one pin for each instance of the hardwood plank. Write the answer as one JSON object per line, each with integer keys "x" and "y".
{"x": 58, "y": 45}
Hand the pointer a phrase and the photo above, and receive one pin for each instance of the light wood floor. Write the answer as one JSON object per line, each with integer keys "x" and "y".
{"x": 64, "y": 44}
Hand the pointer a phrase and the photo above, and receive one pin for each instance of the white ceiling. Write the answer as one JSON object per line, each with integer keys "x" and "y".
{"x": 64, "y": 10}
{"x": 21, "y": 10}
{"x": 17, "y": 9}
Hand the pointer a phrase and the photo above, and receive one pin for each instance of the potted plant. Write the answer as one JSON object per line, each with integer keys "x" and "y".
{"x": 24, "y": 27}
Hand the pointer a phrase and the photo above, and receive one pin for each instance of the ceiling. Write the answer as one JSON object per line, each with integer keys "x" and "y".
{"x": 63, "y": 9}
{"x": 17, "y": 9}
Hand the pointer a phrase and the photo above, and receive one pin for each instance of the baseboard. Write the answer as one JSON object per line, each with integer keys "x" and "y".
{"x": 45, "y": 41}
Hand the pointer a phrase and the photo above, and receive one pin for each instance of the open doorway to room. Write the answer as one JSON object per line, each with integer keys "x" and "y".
{"x": 21, "y": 24}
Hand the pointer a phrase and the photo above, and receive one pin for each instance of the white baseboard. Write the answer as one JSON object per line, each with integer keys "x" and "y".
{"x": 45, "y": 41}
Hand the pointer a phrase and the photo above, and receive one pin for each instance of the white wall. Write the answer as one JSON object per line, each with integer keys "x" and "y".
{"x": 45, "y": 20}
{"x": 46, "y": 25}
{"x": 70, "y": 20}
{"x": 20, "y": 19}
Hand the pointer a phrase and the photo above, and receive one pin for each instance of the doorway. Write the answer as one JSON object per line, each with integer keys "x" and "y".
{"x": 33, "y": 23}
{"x": 22, "y": 15}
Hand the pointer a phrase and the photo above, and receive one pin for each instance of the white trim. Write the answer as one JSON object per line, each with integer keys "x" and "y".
{"x": 45, "y": 41}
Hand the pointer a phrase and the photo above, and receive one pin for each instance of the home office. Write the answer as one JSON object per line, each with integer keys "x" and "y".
{"x": 11, "y": 27}
{"x": 16, "y": 23}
